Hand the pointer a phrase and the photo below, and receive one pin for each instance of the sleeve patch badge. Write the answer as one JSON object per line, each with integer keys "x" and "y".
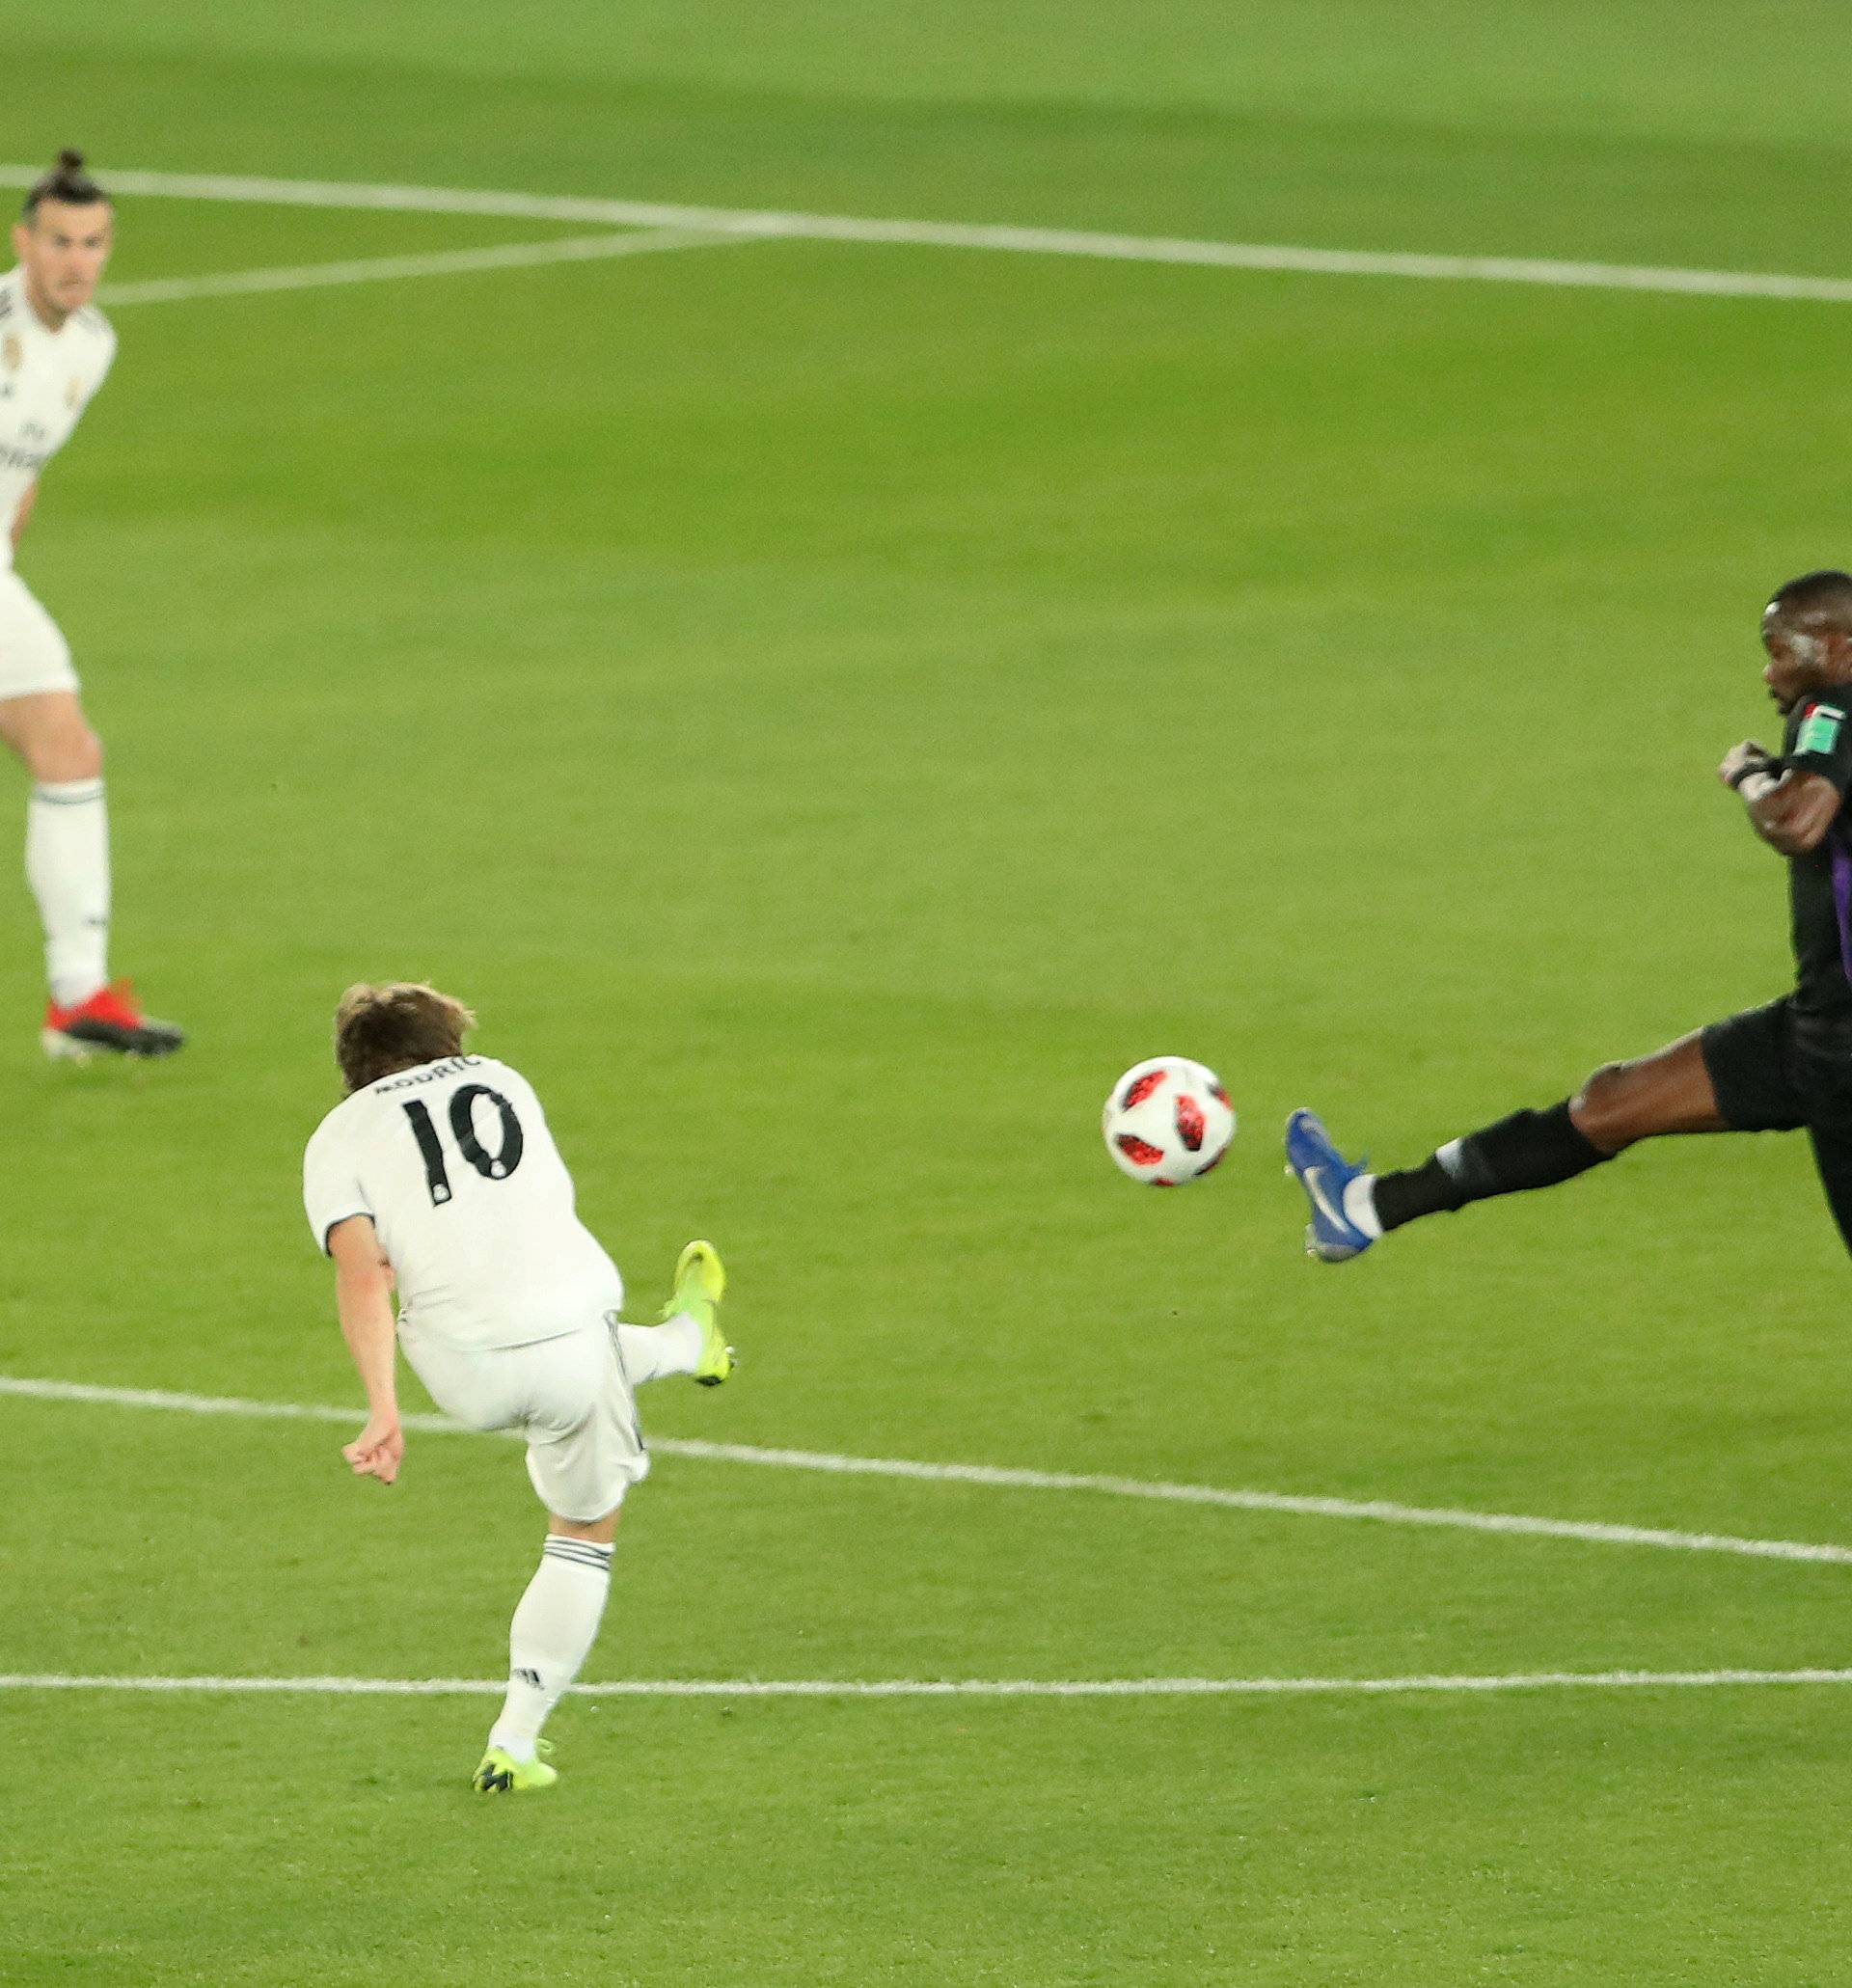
{"x": 1820, "y": 730}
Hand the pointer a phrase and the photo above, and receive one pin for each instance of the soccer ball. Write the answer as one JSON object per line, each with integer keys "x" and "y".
{"x": 1168, "y": 1120}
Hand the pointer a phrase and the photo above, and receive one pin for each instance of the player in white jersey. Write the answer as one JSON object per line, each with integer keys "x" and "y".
{"x": 55, "y": 348}
{"x": 437, "y": 1174}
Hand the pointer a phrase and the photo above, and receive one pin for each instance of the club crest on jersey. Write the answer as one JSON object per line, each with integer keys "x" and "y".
{"x": 12, "y": 351}
{"x": 1820, "y": 728}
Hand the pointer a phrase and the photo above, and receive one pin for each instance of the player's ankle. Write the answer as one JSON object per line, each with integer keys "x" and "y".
{"x": 1360, "y": 1206}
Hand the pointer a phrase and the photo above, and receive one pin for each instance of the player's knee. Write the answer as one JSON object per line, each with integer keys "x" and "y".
{"x": 599, "y": 1531}
{"x": 72, "y": 753}
{"x": 1602, "y": 1110}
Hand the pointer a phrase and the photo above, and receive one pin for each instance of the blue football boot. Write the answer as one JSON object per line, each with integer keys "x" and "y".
{"x": 1324, "y": 1173}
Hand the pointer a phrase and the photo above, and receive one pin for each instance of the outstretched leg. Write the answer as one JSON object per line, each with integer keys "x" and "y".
{"x": 1671, "y": 1090}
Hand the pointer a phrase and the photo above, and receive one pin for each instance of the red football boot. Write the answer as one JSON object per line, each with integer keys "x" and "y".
{"x": 112, "y": 1020}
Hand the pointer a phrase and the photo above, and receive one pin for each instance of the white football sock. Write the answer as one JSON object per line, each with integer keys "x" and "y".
{"x": 67, "y": 867}
{"x": 650, "y": 1352}
{"x": 1360, "y": 1205}
{"x": 555, "y": 1624}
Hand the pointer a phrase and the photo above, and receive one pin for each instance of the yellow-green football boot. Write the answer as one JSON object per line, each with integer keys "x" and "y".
{"x": 502, "y": 1774}
{"x": 701, "y": 1277}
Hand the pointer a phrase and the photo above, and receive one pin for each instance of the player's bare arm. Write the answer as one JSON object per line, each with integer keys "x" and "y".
{"x": 363, "y": 1300}
{"x": 24, "y": 512}
{"x": 1793, "y": 813}
{"x": 1790, "y": 811}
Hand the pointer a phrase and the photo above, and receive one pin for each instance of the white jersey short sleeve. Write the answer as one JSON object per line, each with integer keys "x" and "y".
{"x": 331, "y": 1189}
{"x": 47, "y": 378}
{"x": 473, "y": 1205}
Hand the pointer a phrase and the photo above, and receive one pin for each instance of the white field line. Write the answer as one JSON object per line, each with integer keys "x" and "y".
{"x": 311, "y": 276}
{"x": 996, "y": 1477}
{"x": 953, "y": 235}
{"x": 953, "y": 1687}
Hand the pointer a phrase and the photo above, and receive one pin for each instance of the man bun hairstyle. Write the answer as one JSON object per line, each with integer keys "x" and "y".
{"x": 1815, "y": 600}
{"x": 68, "y": 182}
{"x": 395, "y": 1026}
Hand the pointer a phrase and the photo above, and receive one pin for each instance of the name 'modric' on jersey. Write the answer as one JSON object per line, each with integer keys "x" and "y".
{"x": 47, "y": 378}
{"x": 473, "y": 1205}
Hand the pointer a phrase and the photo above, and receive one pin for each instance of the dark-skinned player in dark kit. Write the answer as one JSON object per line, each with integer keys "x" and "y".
{"x": 1787, "y": 1067}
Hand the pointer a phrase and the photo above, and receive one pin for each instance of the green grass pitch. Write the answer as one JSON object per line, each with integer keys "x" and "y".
{"x": 832, "y": 707}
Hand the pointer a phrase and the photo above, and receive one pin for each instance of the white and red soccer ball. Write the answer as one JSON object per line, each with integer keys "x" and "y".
{"x": 1168, "y": 1120}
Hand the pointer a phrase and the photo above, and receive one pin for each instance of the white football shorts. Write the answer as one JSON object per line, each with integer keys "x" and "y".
{"x": 34, "y": 656}
{"x": 569, "y": 1396}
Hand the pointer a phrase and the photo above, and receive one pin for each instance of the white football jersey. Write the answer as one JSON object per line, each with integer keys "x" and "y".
{"x": 473, "y": 1205}
{"x": 47, "y": 380}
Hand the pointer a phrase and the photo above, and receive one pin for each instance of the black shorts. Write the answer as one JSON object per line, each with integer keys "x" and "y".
{"x": 1776, "y": 1070}
{"x": 1779, "y": 1070}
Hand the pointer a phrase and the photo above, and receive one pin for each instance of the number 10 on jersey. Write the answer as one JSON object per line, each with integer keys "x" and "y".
{"x": 492, "y": 1166}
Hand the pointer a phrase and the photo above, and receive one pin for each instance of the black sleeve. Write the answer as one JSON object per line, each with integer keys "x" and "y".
{"x": 1823, "y": 743}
